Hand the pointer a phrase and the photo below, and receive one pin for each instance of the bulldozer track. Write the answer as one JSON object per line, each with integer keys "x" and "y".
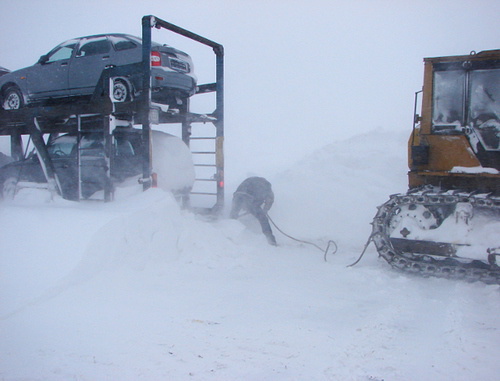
{"x": 428, "y": 264}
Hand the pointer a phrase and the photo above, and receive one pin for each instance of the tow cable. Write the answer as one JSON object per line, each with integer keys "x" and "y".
{"x": 325, "y": 251}
{"x": 370, "y": 239}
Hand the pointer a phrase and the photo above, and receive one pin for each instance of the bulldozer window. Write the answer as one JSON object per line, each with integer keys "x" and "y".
{"x": 485, "y": 94}
{"x": 485, "y": 106}
{"x": 448, "y": 99}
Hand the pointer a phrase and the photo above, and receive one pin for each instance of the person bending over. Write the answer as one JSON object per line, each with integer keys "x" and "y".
{"x": 255, "y": 195}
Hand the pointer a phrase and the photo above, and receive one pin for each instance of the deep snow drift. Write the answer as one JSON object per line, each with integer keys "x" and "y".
{"x": 138, "y": 289}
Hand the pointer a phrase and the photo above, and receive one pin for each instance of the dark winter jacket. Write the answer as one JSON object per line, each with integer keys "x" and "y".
{"x": 259, "y": 190}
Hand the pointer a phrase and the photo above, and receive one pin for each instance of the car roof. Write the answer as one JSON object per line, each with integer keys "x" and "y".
{"x": 132, "y": 37}
{"x": 106, "y": 35}
{"x": 115, "y": 35}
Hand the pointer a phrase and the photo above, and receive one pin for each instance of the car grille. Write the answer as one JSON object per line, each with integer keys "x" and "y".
{"x": 179, "y": 65}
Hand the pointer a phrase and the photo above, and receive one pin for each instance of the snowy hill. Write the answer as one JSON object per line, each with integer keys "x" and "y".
{"x": 138, "y": 289}
{"x": 334, "y": 191}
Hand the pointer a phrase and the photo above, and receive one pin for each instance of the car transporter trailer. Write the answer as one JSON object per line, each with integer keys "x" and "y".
{"x": 73, "y": 116}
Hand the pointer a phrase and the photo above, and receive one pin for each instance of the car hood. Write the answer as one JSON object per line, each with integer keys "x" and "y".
{"x": 14, "y": 76}
{"x": 3, "y": 71}
{"x": 4, "y": 159}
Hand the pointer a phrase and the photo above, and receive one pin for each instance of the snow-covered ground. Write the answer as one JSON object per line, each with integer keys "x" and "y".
{"x": 138, "y": 289}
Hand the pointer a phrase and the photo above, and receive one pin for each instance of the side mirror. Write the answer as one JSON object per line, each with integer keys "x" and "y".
{"x": 43, "y": 59}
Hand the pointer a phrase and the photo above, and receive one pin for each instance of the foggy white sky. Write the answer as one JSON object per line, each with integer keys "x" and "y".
{"x": 299, "y": 74}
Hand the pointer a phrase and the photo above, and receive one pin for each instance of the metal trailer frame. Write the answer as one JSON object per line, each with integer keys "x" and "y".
{"x": 32, "y": 120}
{"x": 186, "y": 117}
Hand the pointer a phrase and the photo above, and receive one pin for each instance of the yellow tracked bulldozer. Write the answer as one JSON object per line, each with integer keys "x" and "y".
{"x": 448, "y": 223}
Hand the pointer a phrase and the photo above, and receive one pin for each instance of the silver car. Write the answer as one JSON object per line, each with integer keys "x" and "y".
{"x": 73, "y": 69}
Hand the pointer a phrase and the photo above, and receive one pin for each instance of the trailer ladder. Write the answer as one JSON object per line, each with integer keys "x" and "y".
{"x": 207, "y": 158}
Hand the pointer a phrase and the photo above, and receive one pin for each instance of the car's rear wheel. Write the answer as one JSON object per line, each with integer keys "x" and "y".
{"x": 121, "y": 91}
{"x": 12, "y": 99}
{"x": 8, "y": 188}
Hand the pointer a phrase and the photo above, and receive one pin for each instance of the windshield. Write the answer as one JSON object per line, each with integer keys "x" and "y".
{"x": 64, "y": 146}
{"x": 485, "y": 94}
{"x": 61, "y": 52}
{"x": 468, "y": 98}
{"x": 449, "y": 93}
{"x": 484, "y": 114}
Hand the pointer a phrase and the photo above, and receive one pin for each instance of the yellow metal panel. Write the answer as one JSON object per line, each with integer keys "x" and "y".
{"x": 448, "y": 151}
{"x": 426, "y": 113}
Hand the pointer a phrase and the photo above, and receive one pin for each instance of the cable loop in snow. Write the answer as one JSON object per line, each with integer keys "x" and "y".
{"x": 325, "y": 251}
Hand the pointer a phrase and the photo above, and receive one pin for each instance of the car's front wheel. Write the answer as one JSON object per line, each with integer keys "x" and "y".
{"x": 12, "y": 99}
{"x": 121, "y": 91}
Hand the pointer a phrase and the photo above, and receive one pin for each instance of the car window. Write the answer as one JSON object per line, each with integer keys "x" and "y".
{"x": 65, "y": 146}
{"x": 122, "y": 43}
{"x": 124, "y": 148}
{"x": 137, "y": 40}
{"x": 93, "y": 47}
{"x": 62, "y": 146}
{"x": 61, "y": 53}
{"x": 91, "y": 146}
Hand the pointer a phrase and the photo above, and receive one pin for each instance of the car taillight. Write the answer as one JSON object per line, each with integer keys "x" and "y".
{"x": 155, "y": 59}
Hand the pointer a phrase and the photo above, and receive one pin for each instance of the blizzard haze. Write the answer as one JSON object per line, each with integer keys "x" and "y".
{"x": 298, "y": 74}
{"x": 138, "y": 289}
{"x": 319, "y": 100}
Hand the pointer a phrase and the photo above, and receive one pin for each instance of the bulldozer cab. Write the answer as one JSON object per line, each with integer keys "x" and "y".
{"x": 457, "y": 144}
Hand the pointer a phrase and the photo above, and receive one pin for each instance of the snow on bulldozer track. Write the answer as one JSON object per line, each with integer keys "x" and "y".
{"x": 139, "y": 289}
